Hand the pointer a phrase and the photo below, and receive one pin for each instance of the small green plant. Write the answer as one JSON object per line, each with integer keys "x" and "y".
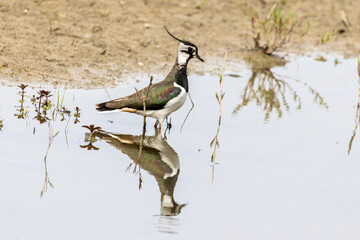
{"x": 13, "y": 74}
{"x": 1, "y": 124}
{"x": 326, "y": 37}
{"x": 274, "y": 31}
{"x": 201, "y": 4}
{"x": 42, "y": 105}
{"x": 336, "y": 62}
{"x": 59, "y": 103}
{"x": 64, "y": 112}
{"x": 77, "y": 112}
{"x": 143, "y": 98}
{"x": 22, "y": 112}
{"x": 47, "y": 104}
{"x": 219, "y": 97}
{"x": 320, "y": 59}
{"x": 77, "y": 115}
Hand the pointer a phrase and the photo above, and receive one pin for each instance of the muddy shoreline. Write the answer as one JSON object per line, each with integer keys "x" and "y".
{"x": 90, "y": 44}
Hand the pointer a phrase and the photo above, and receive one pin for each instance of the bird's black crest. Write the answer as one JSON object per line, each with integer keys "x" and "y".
{"x": 183, "y": 41}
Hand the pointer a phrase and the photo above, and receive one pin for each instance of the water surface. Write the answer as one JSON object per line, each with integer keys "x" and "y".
{"x": 283, "y": 170}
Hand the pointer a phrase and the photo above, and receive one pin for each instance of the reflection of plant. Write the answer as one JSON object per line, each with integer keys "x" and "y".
{"x": 92, "y": 129}
{"x": 90, "y": 146}
{"x": 274, "y": 31}
{"x": 357, "y": 114}
{"x": 91, "y": 138}
{"x": 143, "y": 98}
{"x": 270, "y": 92}
{"x": 47, "y": 182}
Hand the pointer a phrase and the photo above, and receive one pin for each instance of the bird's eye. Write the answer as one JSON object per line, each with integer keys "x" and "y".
{"x": 190, "y": 50}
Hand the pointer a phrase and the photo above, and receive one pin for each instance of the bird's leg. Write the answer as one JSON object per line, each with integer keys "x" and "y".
{"x": 156, "y": 123}
{"x": 168, "y": 124}
{"x": 160, "y": 127}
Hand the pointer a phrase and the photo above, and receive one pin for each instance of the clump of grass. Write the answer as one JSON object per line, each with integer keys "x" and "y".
{"x": 275, "y": 30}
{"x": 59, "y": 103}
{"x": 336, "y": 62}
{"x": 320, "y": 59}
{"x": 326, "y": 37}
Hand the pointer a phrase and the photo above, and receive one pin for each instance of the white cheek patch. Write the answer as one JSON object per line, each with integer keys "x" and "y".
{"x": 182, "y": 58}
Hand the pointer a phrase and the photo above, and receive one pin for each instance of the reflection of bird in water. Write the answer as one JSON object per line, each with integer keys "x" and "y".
{"x": 157, "y": 158}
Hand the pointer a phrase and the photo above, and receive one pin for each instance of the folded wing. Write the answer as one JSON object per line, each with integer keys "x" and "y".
{"x": 159, "y": 94}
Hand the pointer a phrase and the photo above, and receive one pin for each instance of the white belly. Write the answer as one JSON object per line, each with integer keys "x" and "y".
{"x": 171, "y": 106}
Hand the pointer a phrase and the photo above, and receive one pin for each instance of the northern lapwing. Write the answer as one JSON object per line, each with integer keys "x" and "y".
{"x": 157, "y": 157}
{"x": 164, "y": 97}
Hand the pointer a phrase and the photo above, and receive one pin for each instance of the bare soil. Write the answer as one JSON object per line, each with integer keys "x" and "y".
{"x": 89, "y": 44}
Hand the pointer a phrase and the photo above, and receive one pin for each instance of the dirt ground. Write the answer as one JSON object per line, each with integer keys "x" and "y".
{"x": 94, "y": 43}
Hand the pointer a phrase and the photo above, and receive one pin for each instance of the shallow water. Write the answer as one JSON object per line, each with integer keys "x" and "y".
{"x": 282, "y": 172}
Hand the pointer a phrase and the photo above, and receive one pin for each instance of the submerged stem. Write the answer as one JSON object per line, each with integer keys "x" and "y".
{"x": 215, "y": 141}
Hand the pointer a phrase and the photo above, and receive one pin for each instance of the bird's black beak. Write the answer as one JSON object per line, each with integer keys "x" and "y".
{"x": 198, "y": 57}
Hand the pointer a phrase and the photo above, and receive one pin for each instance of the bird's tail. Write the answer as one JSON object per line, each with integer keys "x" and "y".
{"x": 101, "y": 107}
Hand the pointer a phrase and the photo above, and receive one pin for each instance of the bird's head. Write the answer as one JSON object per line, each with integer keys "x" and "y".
{"x": 186, "y": 51}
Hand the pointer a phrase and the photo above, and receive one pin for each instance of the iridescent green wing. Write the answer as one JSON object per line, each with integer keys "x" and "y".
{"x": 159, "y": 94}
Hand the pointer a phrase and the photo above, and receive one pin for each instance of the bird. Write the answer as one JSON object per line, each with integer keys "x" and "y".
{"x": 157, "y": 157}
{"x": 163, "y": 97}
